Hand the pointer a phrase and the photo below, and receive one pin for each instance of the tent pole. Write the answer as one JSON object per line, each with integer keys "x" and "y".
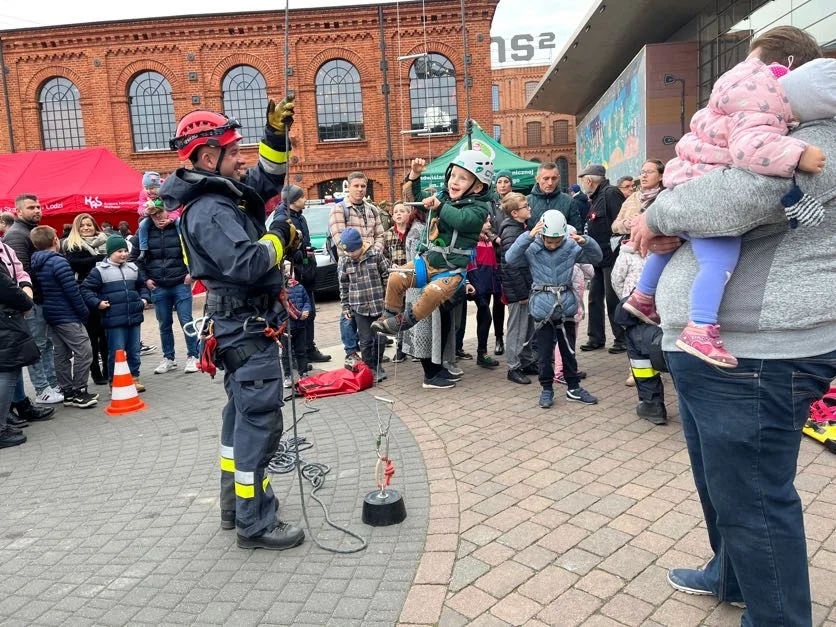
{"x": 6, "y": 97}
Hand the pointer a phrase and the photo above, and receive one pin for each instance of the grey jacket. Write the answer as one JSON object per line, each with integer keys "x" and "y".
{"x": 779, "y": 302}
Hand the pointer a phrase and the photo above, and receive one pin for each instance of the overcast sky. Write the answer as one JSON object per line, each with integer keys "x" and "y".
{"x": 512, "y": 16}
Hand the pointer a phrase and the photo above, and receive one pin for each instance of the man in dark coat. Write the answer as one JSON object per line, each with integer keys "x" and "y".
{"x": 546, "y": 195}
{"x": 42, "y": 372}
{"x": 604, "y": 204}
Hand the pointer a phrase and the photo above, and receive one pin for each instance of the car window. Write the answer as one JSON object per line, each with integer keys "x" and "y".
{"x": 317, "y": 219}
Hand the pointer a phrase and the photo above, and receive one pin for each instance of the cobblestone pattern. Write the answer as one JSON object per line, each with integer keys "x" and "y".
{"x": 115, "y": 521}
{"x": 573, "y": 515}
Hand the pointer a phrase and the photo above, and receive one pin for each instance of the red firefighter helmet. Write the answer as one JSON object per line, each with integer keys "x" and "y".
{"x": 204, "y": 128}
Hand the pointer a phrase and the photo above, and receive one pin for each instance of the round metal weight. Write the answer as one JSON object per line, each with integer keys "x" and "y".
{"x": 383, "y": 511}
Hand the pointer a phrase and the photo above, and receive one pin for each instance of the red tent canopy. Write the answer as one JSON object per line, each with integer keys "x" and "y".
{"x": 69, "y": 182}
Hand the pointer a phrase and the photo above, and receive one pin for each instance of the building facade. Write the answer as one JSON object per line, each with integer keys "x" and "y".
{"x": 123, "y": 85}
{"x": 535, "y": 135}
{"x": 673, "y": 60}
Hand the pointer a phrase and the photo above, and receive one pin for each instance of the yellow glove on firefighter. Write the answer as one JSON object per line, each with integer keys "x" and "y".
{"x": 280, "y": 116}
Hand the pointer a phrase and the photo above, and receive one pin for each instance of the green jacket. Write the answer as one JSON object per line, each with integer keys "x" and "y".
{"x": 467, "y": 215}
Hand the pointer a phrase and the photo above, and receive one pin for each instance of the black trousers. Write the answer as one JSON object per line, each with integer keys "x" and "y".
{"x": 601, "y": 292}
{"x": 309, "y": 323}
{"x": 98, "y": 343}
{"x": 372, "y": 344}
{"x": 300, "y": 351}
{"x": 547, "y": 336}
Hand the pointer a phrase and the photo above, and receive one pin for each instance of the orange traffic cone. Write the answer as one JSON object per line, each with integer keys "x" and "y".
{"x": 123, "y": 397}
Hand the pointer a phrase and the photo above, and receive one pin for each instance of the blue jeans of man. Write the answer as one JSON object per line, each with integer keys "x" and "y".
{"x": 348, "y": 335}
{"x": 42, "y": 372}
{"x": 20, "y": 391}
{"x": 127, "y": 339}
{"x": 167, "y": 300}
{"x": 743, "y": 431}
{"x": 8, "y": 380}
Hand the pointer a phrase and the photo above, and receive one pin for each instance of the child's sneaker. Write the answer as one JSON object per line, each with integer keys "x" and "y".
{"x": 444, "y": 373}
{"x": 399, "y": 357}
{"x": 579, "y": 395}
{"x": 352, "y": 360}
{"x": 559, "y": 378}
{"x": 80, "y": 398}
{"x": 643, "y": 306}
{"x": 438, "y": 383}
{"x": 546, "y": 398}
{"x": 703, "y": 341}
{"x": 191, "y": 365}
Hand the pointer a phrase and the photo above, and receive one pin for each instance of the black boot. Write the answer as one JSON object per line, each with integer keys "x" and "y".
{"x": 518, "y": 376}
{"x": 13, "y": 421}
{"x": 317, "y": 356}
{"x": 9, "y": 436}
{"x": 654, "y": 412}
{"x": 282, "y": 536}
{"x": 486, "y": 361}
{"x": 25, "y": 410}
{"x": 499, "y": 349}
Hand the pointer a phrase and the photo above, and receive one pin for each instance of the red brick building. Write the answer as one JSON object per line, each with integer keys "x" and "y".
{"x": 123, "y": 85}
{"x": 535, "y": 135}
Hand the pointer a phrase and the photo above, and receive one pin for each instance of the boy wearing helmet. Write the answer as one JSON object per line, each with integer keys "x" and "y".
{"x": 454, "y": 223}
{"x": 551, "y": 253}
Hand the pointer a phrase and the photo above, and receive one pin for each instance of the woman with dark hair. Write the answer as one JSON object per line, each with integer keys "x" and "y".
{"x": 84, "y": 248}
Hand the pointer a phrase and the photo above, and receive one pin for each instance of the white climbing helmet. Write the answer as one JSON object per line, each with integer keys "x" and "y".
{"x": 476, "y": 162}
{"x": 554, "y": 224}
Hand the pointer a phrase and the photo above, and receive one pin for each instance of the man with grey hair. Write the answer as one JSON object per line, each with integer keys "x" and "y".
{"x": 605, "y": 202}
{"x": 625, "y": 185}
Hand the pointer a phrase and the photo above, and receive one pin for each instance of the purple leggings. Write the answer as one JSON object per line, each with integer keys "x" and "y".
{"x": 717, "y": 257}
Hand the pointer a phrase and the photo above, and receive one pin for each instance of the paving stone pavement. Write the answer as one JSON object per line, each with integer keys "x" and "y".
{"x": 517, "y": 516}
{"x": 115, "y": 520}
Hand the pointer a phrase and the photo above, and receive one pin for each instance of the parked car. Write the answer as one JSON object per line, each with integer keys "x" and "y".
{"x": 326, "y": 266}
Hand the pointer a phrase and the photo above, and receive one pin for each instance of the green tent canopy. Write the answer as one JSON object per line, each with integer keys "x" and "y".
{"x": 503, "y": 159}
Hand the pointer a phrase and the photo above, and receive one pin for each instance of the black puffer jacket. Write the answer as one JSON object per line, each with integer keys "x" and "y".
{"x": 604, "y": 205}
{"x": 163, "y": 261}
{"x": 17, "y": 348}
{"x": 516, "y": 280}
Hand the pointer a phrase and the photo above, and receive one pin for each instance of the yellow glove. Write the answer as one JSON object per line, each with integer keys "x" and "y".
{"x": 294, "y": 241}
{"x": 280, "y": 116}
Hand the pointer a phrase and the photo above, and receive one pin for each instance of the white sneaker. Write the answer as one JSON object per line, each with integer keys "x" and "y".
{"x": 166, "y": 365}
{"x": 191, "y": 365}
{"x": 452, "y": 368}
{"x": 50, "y": 396}
{"x": 287, "y": 382}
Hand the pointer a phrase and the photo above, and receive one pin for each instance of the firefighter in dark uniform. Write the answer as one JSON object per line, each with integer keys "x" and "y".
{"x": 227, "y": 247}
{"x": 644, "y": 348}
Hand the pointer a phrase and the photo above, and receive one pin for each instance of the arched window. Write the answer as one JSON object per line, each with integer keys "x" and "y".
{"x": 563, "y": 171}
{"x": 245, "y": 99}
{"x": 432, "y": 94}
{"x": 534, "y": 134}
{"x": 339, "y": 101}
{"x": 530, "y": 89}
{"x": 561, "y": 132}
{"x": 152, "y": 111}
{"x": 61, "y": 123}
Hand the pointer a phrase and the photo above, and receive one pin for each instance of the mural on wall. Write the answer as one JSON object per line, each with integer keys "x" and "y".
{"x": 614, "y": 131}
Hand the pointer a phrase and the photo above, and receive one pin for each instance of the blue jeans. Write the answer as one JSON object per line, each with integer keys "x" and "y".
{"x": 743, "y": 431}
{"x": 20, "y": 391}
{"x": 142, "y": 233}
{"x": 166, "y": 300}
{"x": 348, "y": 335}
{"x": 42, "y": 372}
{"x": 8, "y": 380}
{"x": 126, "y": 338}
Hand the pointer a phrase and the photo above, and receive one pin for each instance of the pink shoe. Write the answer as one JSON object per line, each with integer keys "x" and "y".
{"x": 703, "y": 341}
{"x": 643, "y": 306}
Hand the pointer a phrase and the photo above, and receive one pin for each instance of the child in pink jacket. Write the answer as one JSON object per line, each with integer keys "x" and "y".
{"x": 148, "y": 196}
{"x": 744, "y": 125}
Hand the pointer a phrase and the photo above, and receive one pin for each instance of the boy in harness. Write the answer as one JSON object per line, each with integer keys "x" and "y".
{"x": 551, "y": 254}
{"x": 455, "y": 220}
